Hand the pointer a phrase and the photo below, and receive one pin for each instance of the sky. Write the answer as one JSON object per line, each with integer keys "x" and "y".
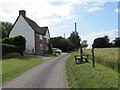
{"x": 94, "y": 18}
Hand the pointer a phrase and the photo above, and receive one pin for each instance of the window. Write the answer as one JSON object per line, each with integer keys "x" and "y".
{"x": 40, "y": 37}
{"x": 41, "y": 45}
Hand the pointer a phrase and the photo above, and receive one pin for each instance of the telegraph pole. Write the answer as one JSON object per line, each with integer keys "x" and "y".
{"x": 81, "y": 52}
{"x": 75, "y": 28}
{"x": 75, "y": 36}
{"x": 64, "y": 35}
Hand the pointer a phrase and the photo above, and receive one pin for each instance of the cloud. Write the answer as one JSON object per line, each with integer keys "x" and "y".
{"x": 43, "y": 12}
{"x": 94, "y": 9}
{"x": 99, "y": 3}
{"x": 112, "y": 34}
{"x": 117, "y": 10}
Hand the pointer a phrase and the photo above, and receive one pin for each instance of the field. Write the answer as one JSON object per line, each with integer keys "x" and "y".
{"x": 106, "y": 56}
{"x": 15, "y": 66}
{"x": 85, "y": 76}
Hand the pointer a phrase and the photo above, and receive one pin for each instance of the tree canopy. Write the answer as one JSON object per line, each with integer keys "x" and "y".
{"x": 84, "y": 44}
{"x": 75, "y": 39}
{"x": 62, "y": 43}
{"x": 117, "y": 42}
{"x": 101, "y": 42}
{"x": 5, "y": 28}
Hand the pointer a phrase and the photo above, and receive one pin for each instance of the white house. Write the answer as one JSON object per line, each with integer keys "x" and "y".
{"x": 37, "y": 38}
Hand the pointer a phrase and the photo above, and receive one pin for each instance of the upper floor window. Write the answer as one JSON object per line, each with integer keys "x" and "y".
{"x": 40, "y": 37}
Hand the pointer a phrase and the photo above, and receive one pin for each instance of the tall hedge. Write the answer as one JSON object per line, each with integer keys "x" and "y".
{"x": 8, "y": 41}
{"x": 6, "y": 48}
{"x": 14, "y": 44}
{"x": 20, "y": 41}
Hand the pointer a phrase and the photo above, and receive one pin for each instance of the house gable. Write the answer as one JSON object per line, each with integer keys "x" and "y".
{"x": 21, "y": 27}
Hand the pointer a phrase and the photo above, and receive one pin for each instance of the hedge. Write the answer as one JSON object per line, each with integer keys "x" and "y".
{"x": 17, "y": 41}
{"x": 6, "y": 48}
{"x": 13, "y": 44}
{"x": 8, "y": 41}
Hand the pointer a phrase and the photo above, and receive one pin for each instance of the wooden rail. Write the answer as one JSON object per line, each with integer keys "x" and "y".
{"x": 78, "y": 59}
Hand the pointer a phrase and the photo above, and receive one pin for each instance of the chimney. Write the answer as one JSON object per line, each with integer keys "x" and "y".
{"x": 22, "y": 12}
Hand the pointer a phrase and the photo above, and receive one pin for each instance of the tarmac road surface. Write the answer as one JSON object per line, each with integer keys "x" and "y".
{"x": 49, "y": 74}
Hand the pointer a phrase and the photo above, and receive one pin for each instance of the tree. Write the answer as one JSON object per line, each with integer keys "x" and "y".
{"x": 117, "y": 42}
{"x": 84, "y": 44}
{"x": 75, "y": 39}
{"x": 107, "y": 39}
{"x": 101, "y": 42}
{"x": 62, "y": 43}
{"x": 5, "y": 28}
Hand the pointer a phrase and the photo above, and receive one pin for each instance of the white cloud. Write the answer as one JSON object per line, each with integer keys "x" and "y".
{"x": 112, "y": 34}
{"x": 99, "y": 3}
{"x": 94, "y": 9}
{"x": 117, "y": 10}
{"x": 37, "y": 10}
{"x": 96, "y": 6}
{"x": 44, "y": 12}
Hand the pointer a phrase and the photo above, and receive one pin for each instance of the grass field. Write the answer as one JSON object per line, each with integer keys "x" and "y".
{"x": 15, "y": 66}
{"x": 106, "y": 56}
{"x": 85, "y": 76}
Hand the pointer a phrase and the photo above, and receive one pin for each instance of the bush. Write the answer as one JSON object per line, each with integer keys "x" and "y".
{"x": 6, "y": 48}
{"x": 20, "y": 41}
{"x": 8, "y": 41}
{"x": 14, "y": 44}
{"x": 17, "y": 41}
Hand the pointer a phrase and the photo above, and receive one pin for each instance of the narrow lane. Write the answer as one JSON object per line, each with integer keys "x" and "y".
{"x": 49, "y": 74}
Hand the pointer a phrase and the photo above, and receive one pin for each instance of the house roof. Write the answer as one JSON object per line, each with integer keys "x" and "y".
{"x": 33, "y": 25}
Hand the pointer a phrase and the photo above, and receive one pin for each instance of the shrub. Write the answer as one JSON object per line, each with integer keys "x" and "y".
{"x": 8, "y": 41}
{"x": 20, "y": 41}
{"x": 13, "y": 44}
{"x": 6, "y": 48}
{"x": 19, "y": 49}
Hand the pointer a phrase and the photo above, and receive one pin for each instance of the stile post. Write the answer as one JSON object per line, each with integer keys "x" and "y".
{"x": 93, "y": 58}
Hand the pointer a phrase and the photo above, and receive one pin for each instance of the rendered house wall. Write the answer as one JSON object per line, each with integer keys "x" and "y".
{"x": 22, "y": 28}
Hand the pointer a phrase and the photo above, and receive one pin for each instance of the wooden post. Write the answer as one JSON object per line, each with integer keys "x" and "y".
{"x": 81, "y": 52}
{"x": 93, "y": 58}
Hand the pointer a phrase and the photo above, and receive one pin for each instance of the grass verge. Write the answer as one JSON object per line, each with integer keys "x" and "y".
{"x": 15, "y": 66}
{"x": 85, "y": 76}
